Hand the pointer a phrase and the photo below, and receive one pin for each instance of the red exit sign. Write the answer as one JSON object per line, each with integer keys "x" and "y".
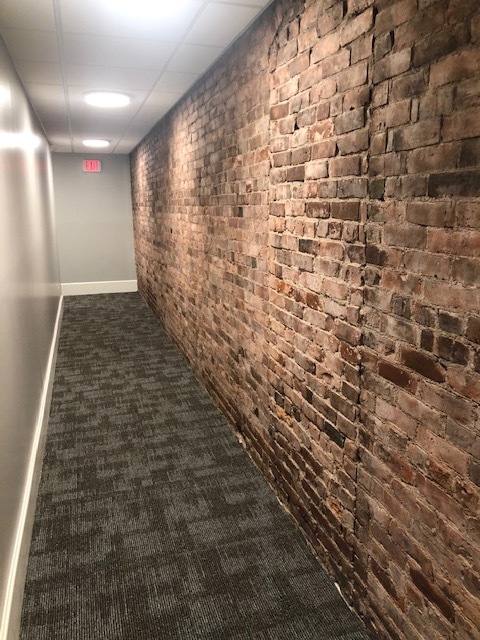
{"x": 92, "y": 166}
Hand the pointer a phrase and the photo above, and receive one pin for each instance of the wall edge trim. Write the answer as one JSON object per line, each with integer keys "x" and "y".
{"x": 107, "y": 286}
{"x": 11, "y": 609}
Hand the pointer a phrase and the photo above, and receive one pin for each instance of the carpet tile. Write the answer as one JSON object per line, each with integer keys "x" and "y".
{"x": 151, "y": 520}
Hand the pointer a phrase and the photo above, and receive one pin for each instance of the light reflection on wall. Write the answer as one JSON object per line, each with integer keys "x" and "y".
{"x": 19, "y": 140}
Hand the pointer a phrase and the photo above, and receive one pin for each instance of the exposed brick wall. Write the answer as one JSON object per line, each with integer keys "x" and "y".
{"x": 418, "y": 500}
{"x": 307, "y": 226}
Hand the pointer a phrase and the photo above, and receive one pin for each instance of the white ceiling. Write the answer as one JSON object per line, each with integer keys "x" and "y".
{"x": 65, "y": 48}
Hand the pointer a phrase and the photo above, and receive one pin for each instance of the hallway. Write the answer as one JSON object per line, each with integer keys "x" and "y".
{"x": 151, "y": 520}
{"x": 293, "y": 189}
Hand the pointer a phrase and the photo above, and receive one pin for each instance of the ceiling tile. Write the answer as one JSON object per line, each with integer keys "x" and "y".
{"x": 161, "y": 99}
{"x": 102, "y": 119}
{"x": 24, "y": 44}
{"x": 89, "y": 124}
{"x": 140, "y": 129}
{"x": 108, "y": 51}
{"x": 53, "y": 122}
{"x": 125, "y": 146}
{"x": 219, "y": 24}
{"x": 27, "y": 14}
{"x": 48, "y": 94}
{"x": 174, "y": 82}
{"x": 111, "y": 78}
{"x": 102, "y": 49}
{"x": 39, "y": 72}
{"x": 59, "y": 139}
{"x": 102, "y": 18}
{"x": 252, "y": 3}
{"x": 194, "y": 58}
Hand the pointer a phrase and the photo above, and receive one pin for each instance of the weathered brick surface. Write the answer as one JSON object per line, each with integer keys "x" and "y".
{"x": 430, "y": 285}
{"x": 307, "y": 227}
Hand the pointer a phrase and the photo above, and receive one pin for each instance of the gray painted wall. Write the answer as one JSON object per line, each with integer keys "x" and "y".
{"x": 29, "y": 299}
{"x": 94, "y": 218}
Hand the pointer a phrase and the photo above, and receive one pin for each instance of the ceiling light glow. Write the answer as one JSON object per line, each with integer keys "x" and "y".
{"x": 147, "y": 9}
{"x": 97, "y": 144}
{"x": 4, "y": 94}
{"x": 24, "y": 141}
{"x": 107, "y": 99}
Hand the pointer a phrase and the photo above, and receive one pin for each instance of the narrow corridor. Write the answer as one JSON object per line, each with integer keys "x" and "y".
{"x": 151, "y": 520}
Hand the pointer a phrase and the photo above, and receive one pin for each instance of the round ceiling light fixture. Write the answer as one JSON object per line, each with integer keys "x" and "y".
{"x": 107, "y": 99}
{"x": 97, "y": 144}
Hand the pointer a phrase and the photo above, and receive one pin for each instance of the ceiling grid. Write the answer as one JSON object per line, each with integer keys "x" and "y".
{"x": 62, "y": 49}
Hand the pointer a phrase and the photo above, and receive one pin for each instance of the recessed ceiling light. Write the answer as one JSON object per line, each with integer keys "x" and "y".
{"x": 107, "y": 99}
{"x": 98, "y": 144}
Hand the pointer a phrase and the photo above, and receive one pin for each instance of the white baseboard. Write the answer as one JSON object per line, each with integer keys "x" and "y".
{"x": 12, "y": 608}
{"x": 88, "y": 288}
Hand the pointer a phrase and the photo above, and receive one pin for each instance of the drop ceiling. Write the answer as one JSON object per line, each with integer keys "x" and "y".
{"x": 63, "y": 49}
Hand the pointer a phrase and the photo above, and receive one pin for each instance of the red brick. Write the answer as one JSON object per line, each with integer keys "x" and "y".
{"x": 392, "y": 65}
{"x": 411, "y": 236}
{"x": 395, "y": 14}
{"x": 330, "y": 19}
{"x": 288, "y": 90}
{"x": 420, "y": 26}
{"x": 334, "y": 64}
{"x": 468, "y": 214}
{"x": 398, "y": 376}
{"x": 473, "y": 329}
{"x": 440, "y": 448}
{"x": 344, "y": 166}
{"x": 352, "y": 77}
{"x": 325, "y": 149}
{"x": 435, "y": 214}
{"x": 409, "y": 86}
{"x": 316, "y": 169}
{"x": 357, "y": 26}
{"x": 323, "y": 90}
{"x": 345, "y": 210}
{"x": 429, "y": 159}
{"x": 466, "y": 271}
{"x": 361, "y": 48}
{"x": 353, "y": 142}
{"x": 459, "y": 243}
{"x": 352, "y": 188}
{"x": 462, "y": 124}
{"x": 423, "y": 364}
{"x": 325, "y": 47}
{"x": 287, "y": 52}
{"x": 428, "y": 264}
{"x": 450, "y": 404}
{"x": 417, "y": 135}
{"x": 279, "y": 111}
{"x": 393, "y": 115}
{"x": 455, "y": 68}
{"x": 433, "y": 594}
{"x": 321, "y": 130}
{"x": 466, "y": 384}
{"x": 453, "y": 297}
{"x": 470, "y": 153}
{"x": 383, "y": 45}
{"x": 299, "y": 64}
{"x": 439, "y": 44}
{"x": 476, "y": 28}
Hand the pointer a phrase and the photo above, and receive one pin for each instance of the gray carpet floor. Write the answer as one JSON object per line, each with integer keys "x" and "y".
{"x": 151, "y": 520}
